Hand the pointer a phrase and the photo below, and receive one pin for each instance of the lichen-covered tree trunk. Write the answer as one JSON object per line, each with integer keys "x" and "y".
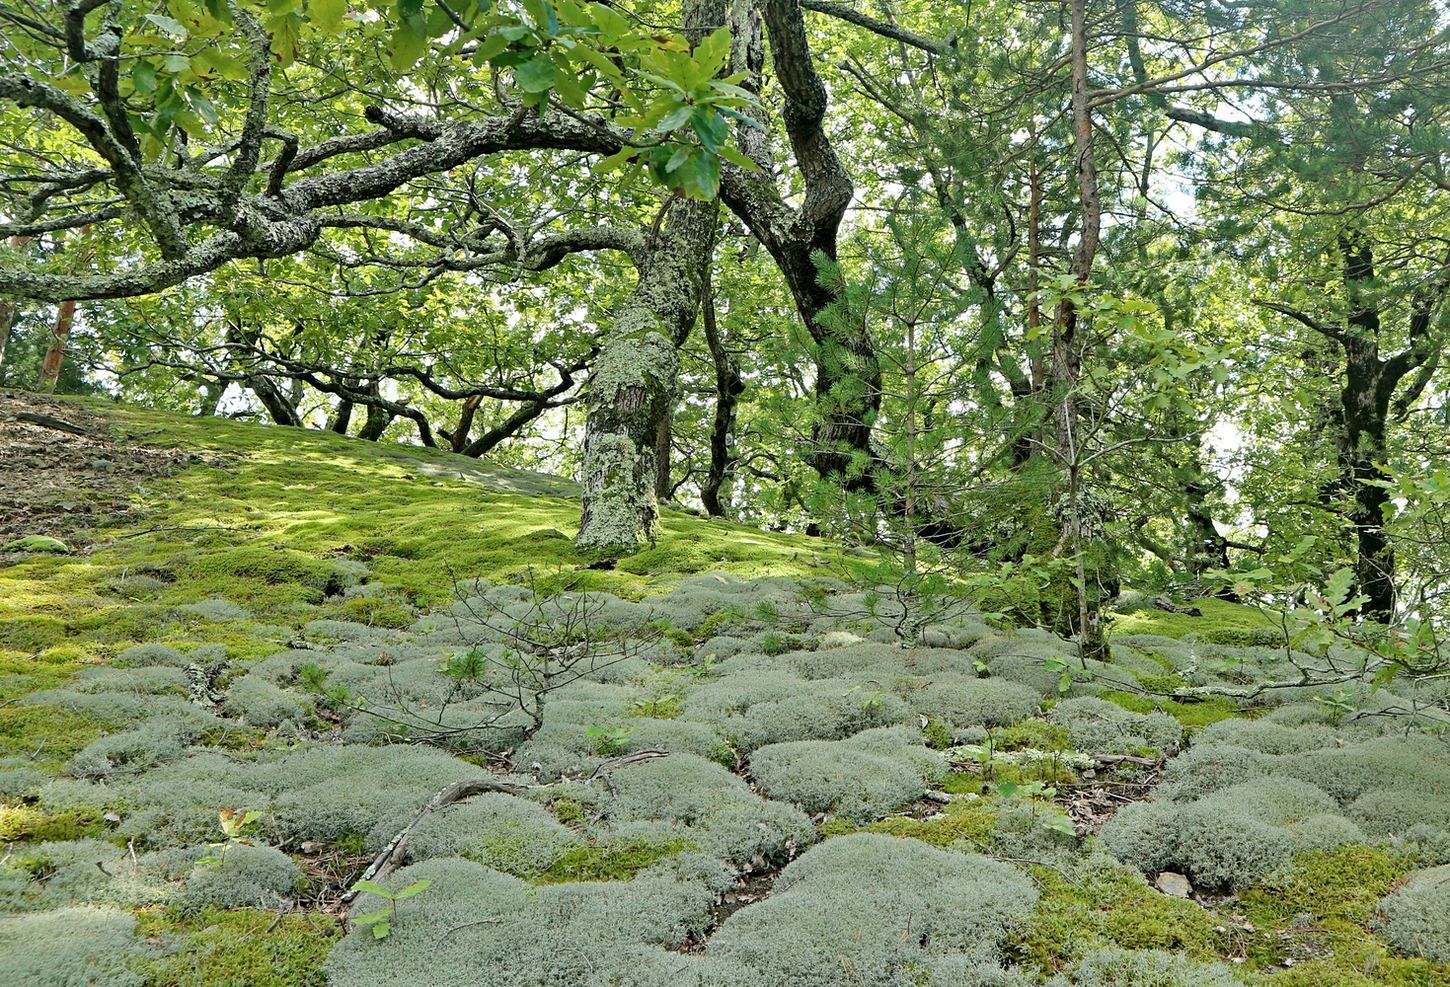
{"x": 634, "y": 384}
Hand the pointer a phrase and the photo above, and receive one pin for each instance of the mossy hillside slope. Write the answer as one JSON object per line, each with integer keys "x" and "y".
{"x": 289, "y": 609}
{"x": 286, "y": 525}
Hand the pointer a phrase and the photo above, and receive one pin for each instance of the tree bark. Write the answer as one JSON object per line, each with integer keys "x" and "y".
{"x": 635, "y": 379}
{"x": 728, "y": 387}
{"x": 10, "y": 307}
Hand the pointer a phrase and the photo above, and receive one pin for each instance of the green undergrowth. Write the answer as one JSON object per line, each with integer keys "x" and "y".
{"x": 1108, "y": 905}
{"x": 1191, "y": 715}
{"x": 240, "y": 948}
{"x": 1221, "y": 622}
{"x": 611, "y": 861}
{"x": 964, "y": 822}
{"x": 1314, "y": 927}
{"x": 280, "y": 522}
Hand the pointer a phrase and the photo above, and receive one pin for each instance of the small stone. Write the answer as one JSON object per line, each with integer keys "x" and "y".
{"x": 1173, "y": 884}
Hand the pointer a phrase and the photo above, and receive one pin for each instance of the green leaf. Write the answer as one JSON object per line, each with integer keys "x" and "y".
{"x": 616, "y": 160}
{"x": 409, "y": 45}
{"x": 170, "y": 25}
{"x": 382, "y": 929}
{"x": 536, "y": 75}
{"x": 735, "y": 156}
{"x": 676, "y": 118}
{"x": 372, "y": 887}
{"x": 417, "y": 887}
{"x": 143, "y": 77}
{"x": 327, "y": 15}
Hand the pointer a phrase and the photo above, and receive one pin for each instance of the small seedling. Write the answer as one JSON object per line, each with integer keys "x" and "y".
{"x": 235, "y": 826}
{"x": 381, "y": 921}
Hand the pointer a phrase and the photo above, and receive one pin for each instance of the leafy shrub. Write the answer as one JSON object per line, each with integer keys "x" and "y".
{"x": 876, "y": 906}
{"x": 500, "y": 831}
{"x": 71, "y": 947}
{"x": 1413, "y": 918}
{"x": 1101, "y": 727}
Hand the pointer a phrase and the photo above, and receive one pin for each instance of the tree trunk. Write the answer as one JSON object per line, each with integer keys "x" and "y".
{"x": 341, "y": 417}
{"x": 274, "y": 400}
{"x": 728, "y": 387}
{"x": 211, "y": 397}
{"x": 10, "y": 307}
{"x": 65, "y": 318}
{"x": 1066, "y": 356}
{"x": 633, "y": 386}
{"x": 377, "y": 420}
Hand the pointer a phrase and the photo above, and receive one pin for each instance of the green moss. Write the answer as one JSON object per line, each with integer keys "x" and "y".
{"x": 1034, "y": 734}
{"x": 24, "y": 822}
{"x": 1321, "y": 917}
{"x": 51, "y": 736}
{"x": 937, "y": 734}
{"x": 1221, "y": 622}
{"x": 243, "y": 948}
{"x": 1108, "y": 905}
{"x": 611, "y": 861}
{"x": 965, "y": 821}
{"x": 1191, "y": 715}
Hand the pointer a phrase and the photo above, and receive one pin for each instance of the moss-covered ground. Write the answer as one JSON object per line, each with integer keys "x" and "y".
{"x": 114, "y": 772}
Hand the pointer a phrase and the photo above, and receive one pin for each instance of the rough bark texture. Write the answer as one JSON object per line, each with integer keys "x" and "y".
{"x": 633, "y": 386}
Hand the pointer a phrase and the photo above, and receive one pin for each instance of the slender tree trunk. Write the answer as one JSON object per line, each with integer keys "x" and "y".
{"x": 664, "y": 441}
{"x": 65, "y": 320}
{"x": 728, "y": 387}
{"x": 10, "y": 307}
{"x": 458, "y": 441}
{"x": 1066, "y": 357}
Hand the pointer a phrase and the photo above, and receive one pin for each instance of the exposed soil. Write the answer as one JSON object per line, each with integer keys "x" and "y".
{"x": 64, "y": 470}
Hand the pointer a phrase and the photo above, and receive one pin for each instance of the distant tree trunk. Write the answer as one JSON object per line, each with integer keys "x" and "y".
{"x": 728, "y": 387}
{"x": 274, "y": 400}
{"x": 458, "y": 440}
{"x": 9, "y": 307}
{"x": 378, "y": 418}
{"x": 211, "y": 397}
{"x": 1367, "y": 393}
{"x": 341, "y": 416}
{"x": 664, "y": 440}
{"x": 65, "y": 318}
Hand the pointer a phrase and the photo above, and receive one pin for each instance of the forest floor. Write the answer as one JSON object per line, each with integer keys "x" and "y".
{"x": 252, "y": 655}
